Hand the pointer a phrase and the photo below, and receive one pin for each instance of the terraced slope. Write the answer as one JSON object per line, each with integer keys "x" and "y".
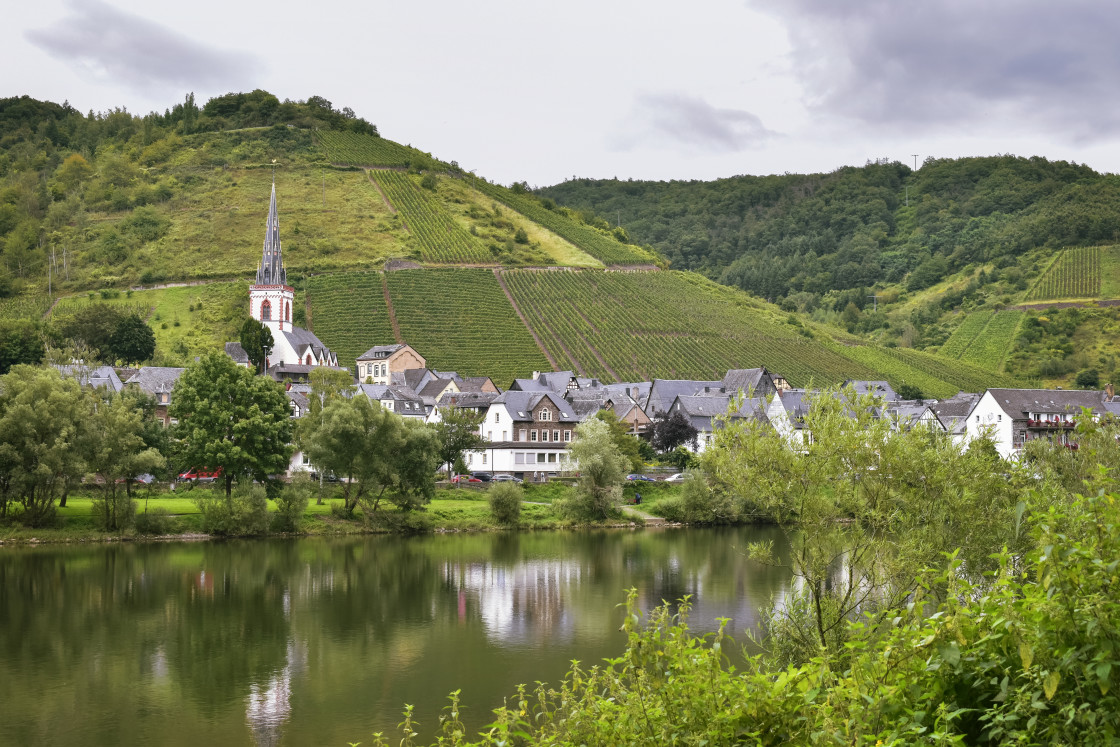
{"x": 349, "y": 313}
{"x": 934, "y": 376}
{"x": 602, "y": 247}
{"x": 442, "y": 240}
{"x": 641, "y": 325}
{"x": 355, "y": 149}
{"x": 1076, "y": 273}
{"x": 984, "y": 338}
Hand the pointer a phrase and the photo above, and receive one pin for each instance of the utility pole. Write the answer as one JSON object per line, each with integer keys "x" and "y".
{"x": 874, "y": 302}
{"x": 915, "y": 161}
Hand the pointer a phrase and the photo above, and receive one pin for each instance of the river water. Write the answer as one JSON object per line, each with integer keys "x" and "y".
{"x": 323, "y": 641}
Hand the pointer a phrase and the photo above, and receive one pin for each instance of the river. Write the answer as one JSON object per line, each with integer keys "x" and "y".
{"x": 323, "y": 640}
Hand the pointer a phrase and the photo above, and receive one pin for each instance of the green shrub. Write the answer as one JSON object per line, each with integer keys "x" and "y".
{"x": 701, "y": 505}
{"x": 505, "y": 502}
{"x": 403, "y": 522}
{"x": 243, "y": 514}
{"x": 291, "y": 504}
{"x": 155, "y": 521}
{"x": 114, "y": 511}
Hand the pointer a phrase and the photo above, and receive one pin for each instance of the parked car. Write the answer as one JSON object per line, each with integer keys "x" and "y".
{"x": 484, "y": 476}
{"x": 200, "y": 475}
{"x": 507, "y": 478}
{"x": 144, "y": 479}
{"x": 464, "y": 478}
{"x": 679, "y": 477}
{"x": 640, "y": 478}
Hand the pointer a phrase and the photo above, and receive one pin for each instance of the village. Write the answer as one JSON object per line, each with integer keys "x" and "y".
{"x": 528, "y": 424}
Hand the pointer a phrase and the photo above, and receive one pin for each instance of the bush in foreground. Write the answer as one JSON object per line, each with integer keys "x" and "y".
{"x": 1028, "y": 655}
{"x": 505, "y": 502}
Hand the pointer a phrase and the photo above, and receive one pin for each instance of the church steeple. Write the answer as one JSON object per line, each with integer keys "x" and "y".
{"x": 271, "y": 269}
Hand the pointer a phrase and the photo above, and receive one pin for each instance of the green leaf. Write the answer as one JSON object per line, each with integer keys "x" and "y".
{"x": 1026, "y": 654}
{"x": 1050, "y": 684}
{"x": 950, "y": 653}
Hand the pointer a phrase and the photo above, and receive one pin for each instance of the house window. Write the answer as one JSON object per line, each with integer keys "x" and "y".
{"x": 504, "y": 435}
{"x": 532, "y": 435}
{"x": 556, "y": 435}
{"x": 545, "y": 415}
{"x": 544, "y": 436}
{"x": 307, "y": 360}
{"x": 489, "y": 435}
{"x": 552, "y": 457}
{"x": 306, "y": 460}
{"x": 567, "y": 435}
{"x": 497, "y": 417}
{"x": 266, "y": 311}
{"x": 540, "y": 458}
{"x": 519, "y": 457}
{"x": 288, "y": 312}
{"x": 521, "y": 437}
{"x": 484, "y": 457}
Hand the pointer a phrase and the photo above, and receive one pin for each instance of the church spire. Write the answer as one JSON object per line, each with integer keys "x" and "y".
{"x": 271, "y": 269}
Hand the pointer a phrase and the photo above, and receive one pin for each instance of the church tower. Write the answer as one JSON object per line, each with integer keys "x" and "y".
{"x": 270, "y": 297}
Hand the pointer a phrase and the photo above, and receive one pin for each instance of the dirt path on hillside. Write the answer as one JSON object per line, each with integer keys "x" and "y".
{"x": 389, "y": 305}
{"x": 1064, "y": 305}
{"x": 158, "y": 286}
{"x": 380, "y": 191}
{"x": 521, "y": 316}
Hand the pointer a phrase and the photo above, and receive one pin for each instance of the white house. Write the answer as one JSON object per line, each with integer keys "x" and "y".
{"x": 1011, "y": 417}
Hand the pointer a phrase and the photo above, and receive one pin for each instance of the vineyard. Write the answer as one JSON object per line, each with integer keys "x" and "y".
{"x": 963, "y": 335}
{"x": 349, "y": 313}
{"x": 602, "y": 247}
{"x": 442, "y": 240}
{"x": 984, "y": 338}
{"x": 934, "y": 376}
{"x": 992, "y": 346}
{"x": 636, "y": 326}
{"x": 460, "y": 320}
{"x": 26, "y": 306}
{"x": 354, "y": 149}
{"x": 1076, "y": 273}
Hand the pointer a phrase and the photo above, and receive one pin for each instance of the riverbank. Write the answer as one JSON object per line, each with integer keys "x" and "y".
{"x": 451, "y": 510}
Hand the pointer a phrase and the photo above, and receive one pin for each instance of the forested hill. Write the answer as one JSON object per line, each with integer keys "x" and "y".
{"x": 883, "y": 223}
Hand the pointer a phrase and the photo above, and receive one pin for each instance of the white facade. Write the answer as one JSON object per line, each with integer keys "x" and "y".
{"x": 989, "y": 419}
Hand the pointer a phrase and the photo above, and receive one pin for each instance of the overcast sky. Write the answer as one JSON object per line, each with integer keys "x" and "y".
{"x": 540, "y": 92}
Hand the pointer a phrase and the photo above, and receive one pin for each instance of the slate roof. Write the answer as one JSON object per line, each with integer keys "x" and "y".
{"x": 156, "y": 379}
{"x": 953, "y": 412}
{"x": 300, "y": 338}
{"x": 876, "y": 388}
{"x": 701, "y": 408}
{"x": 528, "y": 385}
{"x": 477, "y": 400}
{"x": 97, "y": 377}
{"x": 521, "y": 404}
{"x": 237, "y": 353}
{"x": 908, "y": 413}
{"x": 380, "y": 351}
{"x": 300, "y": 400}
{"x": 271, "y": 269}
{"x": 662, "y": 392}
{"x": 1018, "y": 402}
{"x": 747, "y": 380}
{"x": 475, "y": 383}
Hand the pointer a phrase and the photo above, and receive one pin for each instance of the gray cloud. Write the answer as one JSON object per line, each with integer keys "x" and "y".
{"x": 136, "y": 52}
{"x": 1023, "y": 65}
{"x": 687, "y": 120}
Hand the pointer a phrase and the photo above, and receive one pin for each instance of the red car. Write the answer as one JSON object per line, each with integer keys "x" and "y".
{"x": 465, "y": 478}
{"x": 200, "y": 475}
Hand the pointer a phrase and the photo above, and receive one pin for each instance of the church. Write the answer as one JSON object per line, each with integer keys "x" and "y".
{"x": 295, "y": 351}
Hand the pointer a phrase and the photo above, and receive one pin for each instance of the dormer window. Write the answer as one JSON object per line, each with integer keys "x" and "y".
{"x": 546, "y": 415}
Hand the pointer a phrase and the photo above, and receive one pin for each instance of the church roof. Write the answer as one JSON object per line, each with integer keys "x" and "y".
{"x": 271, "y": 269}
{"x": 300, "y": 339}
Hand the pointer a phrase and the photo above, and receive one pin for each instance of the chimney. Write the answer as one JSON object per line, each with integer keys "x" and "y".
{"x": 1109, "y": 391}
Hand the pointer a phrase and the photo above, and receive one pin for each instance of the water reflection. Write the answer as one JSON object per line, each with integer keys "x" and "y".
{"x": 323, "y": 641}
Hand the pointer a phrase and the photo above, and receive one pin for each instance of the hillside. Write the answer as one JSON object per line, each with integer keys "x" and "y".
{"x": 164, "y": 215}
{"x": 899, "y": 256}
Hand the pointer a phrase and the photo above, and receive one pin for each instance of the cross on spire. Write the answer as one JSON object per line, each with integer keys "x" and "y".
{"x": 271, "y": 269}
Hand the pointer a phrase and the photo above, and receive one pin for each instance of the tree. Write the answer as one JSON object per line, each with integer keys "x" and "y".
{"x": 327, "y": 385}
{"x": 43, "y": 422}
{"x": 20, "y": 342}
{"x": 73, "y": 171}
{"x": 231, "y": 419}
{"x": 382, "y": 455}
{"x": 93, "y": 326}
{"x": 909, "y": 391}
{"x": 672, "y": 430}
{"x": 1090, "y": 378}
{"x": 133, "y": 340}
{"x": 457, "y": 432}
{"x": 116, "y": 452}
{"x": 256, "y": 340}
{"x": 627, "y": 445}
{"x": 602, "y": 470}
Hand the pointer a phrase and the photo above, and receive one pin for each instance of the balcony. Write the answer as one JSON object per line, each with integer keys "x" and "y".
{"x": 1050, "y": 423}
